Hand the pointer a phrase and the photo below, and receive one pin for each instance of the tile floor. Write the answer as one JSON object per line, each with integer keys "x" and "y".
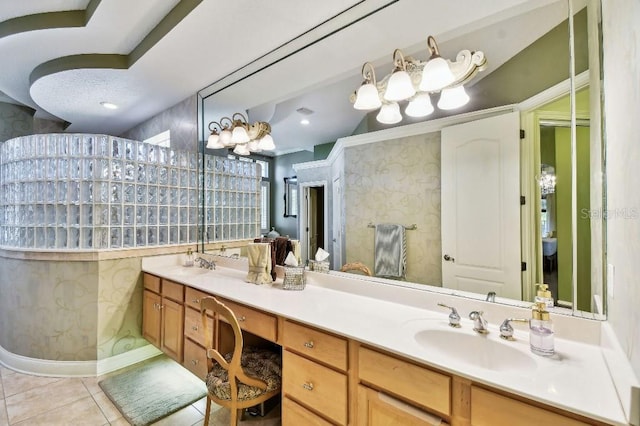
{"x": 58, "y": 401}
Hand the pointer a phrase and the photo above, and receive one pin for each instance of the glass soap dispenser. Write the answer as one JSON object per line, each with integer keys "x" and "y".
{"x": 544, "y": 295}
{"x": 188, "y": 258}
{"x": 541, "y": 331}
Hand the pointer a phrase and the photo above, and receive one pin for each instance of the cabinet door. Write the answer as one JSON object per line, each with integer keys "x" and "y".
{"x": 151, "y": 317}
{"x": 172, "y": 322}
{"x": 378, "y": 409}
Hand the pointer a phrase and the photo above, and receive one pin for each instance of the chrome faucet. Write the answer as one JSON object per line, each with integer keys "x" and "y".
{"x": 204, "y": 263}
{"x": 491, "y": 296}
{"x": 454, "y": 318}
{"x": 506, "y": 331}
{"x": 479, "y": 323}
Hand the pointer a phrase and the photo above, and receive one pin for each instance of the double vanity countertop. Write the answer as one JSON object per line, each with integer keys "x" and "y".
{"x": 407, "y": 321}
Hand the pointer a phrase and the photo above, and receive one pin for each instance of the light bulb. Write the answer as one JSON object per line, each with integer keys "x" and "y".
{"x": 266, "y": 143}
{"x": 453, "y": 98}
{"x": 367, "y": 98}
{"x": 214, "y": 141}
{"x": 225, "y": 137}
{"x": 239, "y": 134}
{"x": 241, "y": 149}
{"x": 254, "y": 146}
{"x": 389, "y": 114}
{"x": 420, "y": 106}
{"x": 436, "y": 75}
{"x": 399, "y": 87}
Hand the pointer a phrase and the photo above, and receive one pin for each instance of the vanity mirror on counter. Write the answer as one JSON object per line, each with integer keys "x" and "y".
{"x": 537, "y": 78}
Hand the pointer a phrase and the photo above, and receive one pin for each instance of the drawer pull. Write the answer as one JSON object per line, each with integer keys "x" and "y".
{"x": 194, "y": 361}
{"x": 196, "y": 301}
{"x": 194, "y": 328}
{"x": 309, "y": 344}
{"x": 242, "y": 318}
{"x": 308, "y": 386}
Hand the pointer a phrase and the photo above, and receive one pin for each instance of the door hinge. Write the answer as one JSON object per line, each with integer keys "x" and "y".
{"x": 521, "y": 133}
{"x": 523, "y": 266}
{"x": 523, "y": 200}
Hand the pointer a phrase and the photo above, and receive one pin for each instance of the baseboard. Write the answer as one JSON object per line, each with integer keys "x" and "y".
{"x": 126, "y": 359}
{"x": 45, "y": 367}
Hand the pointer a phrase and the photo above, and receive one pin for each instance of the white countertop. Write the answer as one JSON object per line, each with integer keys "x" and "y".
{"x": 576, "y": 379}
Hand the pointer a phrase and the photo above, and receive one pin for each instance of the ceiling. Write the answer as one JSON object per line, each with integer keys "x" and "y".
{"x": 64, "y": 57}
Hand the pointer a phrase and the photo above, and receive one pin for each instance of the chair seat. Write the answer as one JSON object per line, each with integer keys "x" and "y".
{"x": 263, "y": 364}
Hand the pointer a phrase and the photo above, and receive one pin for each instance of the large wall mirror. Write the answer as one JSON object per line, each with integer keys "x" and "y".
{"x": 543, "y": 68}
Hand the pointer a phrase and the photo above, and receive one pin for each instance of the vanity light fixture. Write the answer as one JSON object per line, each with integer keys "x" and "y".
{"x": 236, "y": 132}
{"x": 415, "y": 81}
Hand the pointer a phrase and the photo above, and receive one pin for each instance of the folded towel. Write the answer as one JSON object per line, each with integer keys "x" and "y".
{"x": 272, "y": 242}
{"x": 390, "y": 251}
{"x": 295, "y": 247}
{"x": 259, "y": 255}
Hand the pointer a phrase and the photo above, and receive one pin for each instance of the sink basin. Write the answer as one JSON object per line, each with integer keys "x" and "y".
{"x": 189, "y": 271}
{"x": 476, "y": 350}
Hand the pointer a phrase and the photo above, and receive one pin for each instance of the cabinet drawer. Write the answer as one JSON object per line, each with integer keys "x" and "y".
{"x": 151, "y": 282}
{"x": 488, "y": 408}
{"x": 192, "y": 297}
{"x": 316, "y": 344}
{"x": 253, "y": 321}
{"x": 414, "y": 383}
{"x": 295, "y": 415}
{"x": 195, "y": 359}
{"x": 318, "y": 387}
{"x": 173, "y": 291}
{"x": 193, "y": 328}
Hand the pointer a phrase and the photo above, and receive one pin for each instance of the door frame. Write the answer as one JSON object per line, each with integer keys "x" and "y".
{"x": 303, "y": 188}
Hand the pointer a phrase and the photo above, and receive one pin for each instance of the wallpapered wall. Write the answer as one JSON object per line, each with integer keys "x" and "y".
{"x": 181, "y": 119}
{"x": 396, "y": 181}
{"x": 70, "y": 311}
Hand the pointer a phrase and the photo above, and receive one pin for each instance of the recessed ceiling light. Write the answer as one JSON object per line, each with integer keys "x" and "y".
{"x": 304, "y": 122}
{"x": 109, "y": 105}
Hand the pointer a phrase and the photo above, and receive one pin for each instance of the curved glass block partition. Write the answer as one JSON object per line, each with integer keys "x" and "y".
{"x": 78, "y": 191}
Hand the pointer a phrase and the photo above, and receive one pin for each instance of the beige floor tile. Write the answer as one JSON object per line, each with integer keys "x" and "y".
{"x": 108, "y": 409}
{"x": 43, "y": 399}
{"x": 82, "y": 412}
{"x": 201, "y": 405}
{"x": 91, "y": 384}
{"x": 4, "y": 371}
{"x": 1, "y": 390}
{"x": 17, "y": 383}
{"x": 185, "y": 417}
{"x": 119, "y": 422}
{"x": 4, "y": 420}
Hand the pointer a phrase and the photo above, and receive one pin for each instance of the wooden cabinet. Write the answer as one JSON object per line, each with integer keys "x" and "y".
{"x": 316, "y": 344}
{"x": 162, "y": 315}
{"x": 491, "y": 409}
{"x": 254, "y": 321}
{"x": 195, "y": 359}
{"x": 294, "y": 414}
{"x": 378, "y": 409}
{"x": 416, "y": 384}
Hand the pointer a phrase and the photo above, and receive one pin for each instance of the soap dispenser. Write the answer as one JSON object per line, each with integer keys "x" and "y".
{"x": 541, "y": 331}
{"x": 188, "y": 258}
{"x": 544, "y": 295}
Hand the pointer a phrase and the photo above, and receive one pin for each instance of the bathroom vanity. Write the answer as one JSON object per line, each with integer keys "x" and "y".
{"x": 387, "y": 357}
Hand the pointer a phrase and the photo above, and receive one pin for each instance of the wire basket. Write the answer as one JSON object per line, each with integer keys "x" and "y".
{"x": 294, "y": 278}
{"x": 319, "y": 265}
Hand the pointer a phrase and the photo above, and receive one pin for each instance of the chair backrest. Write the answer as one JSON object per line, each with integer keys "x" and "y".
{"x": 233, "y": 367}
{"x": 356, "y": 266}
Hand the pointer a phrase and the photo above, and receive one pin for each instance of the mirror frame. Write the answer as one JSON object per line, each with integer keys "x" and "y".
{"x": 291, "y": 196}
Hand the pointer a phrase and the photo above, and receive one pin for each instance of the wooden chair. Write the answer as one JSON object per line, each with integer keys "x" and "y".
{"x": 240, "y": 379}
{"x": 356, "y": 266}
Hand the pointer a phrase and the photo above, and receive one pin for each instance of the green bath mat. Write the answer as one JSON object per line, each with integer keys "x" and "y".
{"x": 146, "y": 394}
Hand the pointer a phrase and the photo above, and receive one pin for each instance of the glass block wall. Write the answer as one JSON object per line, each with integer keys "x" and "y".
{"x": 74, "y": 191}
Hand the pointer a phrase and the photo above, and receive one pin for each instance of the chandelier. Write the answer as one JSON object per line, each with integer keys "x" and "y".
{"x": 414, "y": 81}
{"x": 547, "y": 180}
{"x": 236, "y": 132}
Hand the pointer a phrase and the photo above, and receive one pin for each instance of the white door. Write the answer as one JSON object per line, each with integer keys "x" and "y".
{"x": 312, "y": 221}
{"x": 481, "y": 206}
{"x": 337, "y": 224}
